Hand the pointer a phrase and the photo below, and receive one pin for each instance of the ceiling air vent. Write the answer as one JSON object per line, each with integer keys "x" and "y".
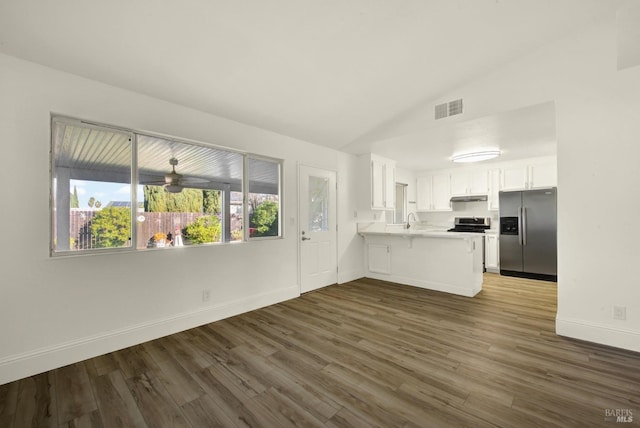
{"x": 448, "y": 109}
{"x": 442, "y": 111}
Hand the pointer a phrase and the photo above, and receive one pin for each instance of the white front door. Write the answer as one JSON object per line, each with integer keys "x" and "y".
{"x": 317, "y": 234}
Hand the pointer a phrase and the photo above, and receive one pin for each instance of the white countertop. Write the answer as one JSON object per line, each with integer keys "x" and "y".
{"x": 418, "y": 232}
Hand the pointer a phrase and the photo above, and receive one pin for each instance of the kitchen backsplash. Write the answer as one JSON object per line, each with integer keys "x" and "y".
{"x": 460, "y": 209}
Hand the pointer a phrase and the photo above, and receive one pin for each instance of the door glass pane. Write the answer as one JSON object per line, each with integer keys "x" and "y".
{"x": 318, "y": 204}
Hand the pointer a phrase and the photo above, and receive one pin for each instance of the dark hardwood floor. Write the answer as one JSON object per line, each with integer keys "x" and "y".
{"x": 362, "y": 354}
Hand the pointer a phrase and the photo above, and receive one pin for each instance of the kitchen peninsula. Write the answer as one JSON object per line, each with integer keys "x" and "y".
{"x": 427, "y": 258}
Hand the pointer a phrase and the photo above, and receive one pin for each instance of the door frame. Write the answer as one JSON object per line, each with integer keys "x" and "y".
{"x": 299, "y": 226}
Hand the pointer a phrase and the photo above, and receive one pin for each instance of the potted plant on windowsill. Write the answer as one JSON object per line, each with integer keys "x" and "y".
{"x": 160, "y": 240}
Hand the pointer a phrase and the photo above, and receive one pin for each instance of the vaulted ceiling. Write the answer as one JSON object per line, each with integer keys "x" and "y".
{"x": 331, "y": 72}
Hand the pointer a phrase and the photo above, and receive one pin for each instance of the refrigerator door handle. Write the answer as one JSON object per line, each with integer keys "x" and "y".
{"x": 524, "y": 226}
{"x": 520, "y": 226}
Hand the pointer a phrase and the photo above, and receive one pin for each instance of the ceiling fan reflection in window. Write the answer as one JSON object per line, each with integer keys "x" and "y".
{"x": 174, "y": 182}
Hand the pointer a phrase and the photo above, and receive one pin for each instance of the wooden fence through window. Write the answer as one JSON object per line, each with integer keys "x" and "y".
{"x": 80, "y": 226}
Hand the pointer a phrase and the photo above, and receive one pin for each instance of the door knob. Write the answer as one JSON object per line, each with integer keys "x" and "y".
{"x": 304, "y": 238}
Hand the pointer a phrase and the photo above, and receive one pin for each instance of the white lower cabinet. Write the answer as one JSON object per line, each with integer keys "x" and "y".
{"x": 448, "y": 262}
{"x": 492, "y": 252}
{"x": 379, "y": 258}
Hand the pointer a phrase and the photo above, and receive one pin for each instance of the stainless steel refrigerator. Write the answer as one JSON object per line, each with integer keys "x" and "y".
{"x": 528, "y": 234}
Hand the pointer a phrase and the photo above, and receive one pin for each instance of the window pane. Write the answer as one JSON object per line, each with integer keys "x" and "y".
{"x": 401, "y": 203}
{"x": 318, "y": 204}
{"x": 187, "y": 193}
{"x": 237, "y": 216}
{"x": 264, "y": 197}
{"x": 91, "y": 188}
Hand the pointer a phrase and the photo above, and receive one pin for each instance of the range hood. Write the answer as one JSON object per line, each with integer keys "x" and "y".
{"x": 474, "y": 198}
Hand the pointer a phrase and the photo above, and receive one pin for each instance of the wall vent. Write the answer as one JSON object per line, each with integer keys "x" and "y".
{"x": 448, "y": 109}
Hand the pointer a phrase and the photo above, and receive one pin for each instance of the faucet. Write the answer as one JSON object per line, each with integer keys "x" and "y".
{"x": 408, "y": 225}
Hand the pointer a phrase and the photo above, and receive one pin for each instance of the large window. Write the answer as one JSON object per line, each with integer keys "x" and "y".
{"x": 115, "y": 190}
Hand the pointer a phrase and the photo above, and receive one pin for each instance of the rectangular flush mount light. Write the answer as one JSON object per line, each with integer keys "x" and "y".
{"x": 477, "y": 156}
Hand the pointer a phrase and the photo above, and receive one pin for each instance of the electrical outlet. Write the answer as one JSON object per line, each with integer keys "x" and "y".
{"x": 206, "y": 295}
{"x": 620, "y": 313}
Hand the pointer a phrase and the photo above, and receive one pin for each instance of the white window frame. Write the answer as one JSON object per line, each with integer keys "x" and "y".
{"x": 133, "y": 134}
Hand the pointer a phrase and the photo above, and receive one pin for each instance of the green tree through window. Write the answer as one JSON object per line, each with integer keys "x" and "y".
{"x": 111, "y": 227}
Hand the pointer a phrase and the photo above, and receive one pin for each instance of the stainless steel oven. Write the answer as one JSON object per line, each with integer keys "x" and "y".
{"x": 472, "y": 225}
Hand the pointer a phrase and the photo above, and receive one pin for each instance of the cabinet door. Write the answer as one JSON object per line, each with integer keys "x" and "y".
{"x": 377, "y": 185}
{"x": 491, "y": 252}
{"x": 460, "y": 184}
{"x": 479, "y": 183}
{"x": 379, "y": 258}
{"x": 424, "y": 195}
{"x": 389, "y": 186}
{"x": 514, "y": 178}
{"x": 494, "y": 190}
{"x": 543, "y": 175}
{"x": 441, "y": 192}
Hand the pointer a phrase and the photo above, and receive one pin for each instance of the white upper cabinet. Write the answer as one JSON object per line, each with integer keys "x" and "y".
{"x": 424, "y": 194}
{"x": 535, "y": 174}
{"x": 389, "y": 183}
{"x": 543, "y": 174}
{"x": 469, "y": 183}
{"x": 377, "y": 184}
{"x": 515, "y": 178}
{"x": 435, "y": 188}
{"x": 434, "y": 193}
{"x": 379, "y": 191}
{"x": 493, "y": 199}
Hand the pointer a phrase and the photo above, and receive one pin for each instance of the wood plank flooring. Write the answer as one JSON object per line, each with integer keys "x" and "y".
{"x": 362, "y": 354}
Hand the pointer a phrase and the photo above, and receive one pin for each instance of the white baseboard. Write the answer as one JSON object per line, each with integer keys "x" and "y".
{"x": 26, "y": 364}
{"x": 599, "y": 333}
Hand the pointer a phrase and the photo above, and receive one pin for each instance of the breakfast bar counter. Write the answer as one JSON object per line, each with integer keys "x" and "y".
{"x": 428, "y": 258}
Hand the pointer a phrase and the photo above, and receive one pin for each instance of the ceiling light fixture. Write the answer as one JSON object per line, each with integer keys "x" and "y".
{"x": 477, "y": 156}
{"x": 173, "y": 188}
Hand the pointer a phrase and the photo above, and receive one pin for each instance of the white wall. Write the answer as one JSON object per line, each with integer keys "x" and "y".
{"x": 55, "y": 311}
{"x": 598, "y": 130}
{"x": 351, "y": 245}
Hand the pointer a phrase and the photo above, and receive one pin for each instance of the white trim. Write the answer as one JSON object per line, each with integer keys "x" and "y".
{"x": 599, "y": 333}
{"x": 429, "y": 285}
{"x": 19, "y": 366}
{"x": 352, "y": 275}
